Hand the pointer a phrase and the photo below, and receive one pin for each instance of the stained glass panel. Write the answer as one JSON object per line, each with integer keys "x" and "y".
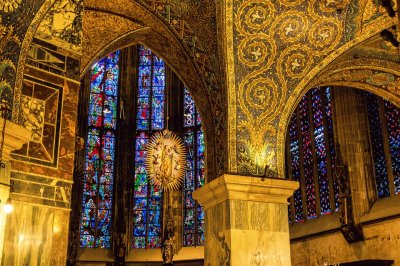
{"x": 100, "y": 154}
{"x": 381, "y": 176}
{"x": 295, "y": 167}
{"x": 328, "y": 110}
{"x": 307, "y": 157}
{"x": 151, "y": 94}
{"x": 392, "y": 115}
{"x": 149, "y": 117}
{"x": 193, "y": 220}
{"x": 320, "y": 149}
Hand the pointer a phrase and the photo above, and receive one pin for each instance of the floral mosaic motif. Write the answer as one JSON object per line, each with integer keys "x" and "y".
{"x": 8, "y": 6}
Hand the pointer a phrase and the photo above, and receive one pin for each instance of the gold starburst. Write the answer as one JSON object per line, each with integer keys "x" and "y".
{"x": 9, "y": 5}
{"x": 165, "y": 160}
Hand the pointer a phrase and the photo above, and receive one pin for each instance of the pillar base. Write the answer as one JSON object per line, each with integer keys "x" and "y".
{"x": 246, "y": 220}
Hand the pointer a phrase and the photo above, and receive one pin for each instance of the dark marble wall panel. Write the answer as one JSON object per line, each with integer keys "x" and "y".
{"x": 49, "y": 107}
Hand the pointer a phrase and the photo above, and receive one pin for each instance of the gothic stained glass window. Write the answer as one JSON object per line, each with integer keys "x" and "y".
{"x": 307, "y": 157}
{"x": 320, "y": 149}
{"x": 384, "y": 123}
{"x": 100, "y": 153}
{"x": 374, "y": 120}
{"x": 193, "y": 214}
{"x": 392, "y": 115}
{"x": 146, "y": 116}
{"x": 147, "y": 207}
{"x": 295, "y": 167}
{"x": 310, "y": 155}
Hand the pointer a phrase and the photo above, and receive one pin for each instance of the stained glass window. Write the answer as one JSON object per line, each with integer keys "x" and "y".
{"x": 295, "y": 167}
{"x": 193, "y": 214}
{"x": 311, "y": 156}
{"x": 384, "y": 123}
{"x": 145, "y": 116}
{"x": 381, "y": 174}
{"x": 147, "y": 209}
{"x": 100, "y": 153}
{"x": 392, "y": 115}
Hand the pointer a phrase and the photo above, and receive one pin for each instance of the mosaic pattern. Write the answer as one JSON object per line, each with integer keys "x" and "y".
{"x": 97, "y": 199}
{"x": 193, "y": 213}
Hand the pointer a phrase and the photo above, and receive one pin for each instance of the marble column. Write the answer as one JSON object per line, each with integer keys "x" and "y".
{"x": 246, "y": 220}
{"x": 14, "y": 137}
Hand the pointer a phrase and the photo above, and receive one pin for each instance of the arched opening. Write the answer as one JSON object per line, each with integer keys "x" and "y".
{"x": 126, "y": 98}
{"x": 342, "y": 146}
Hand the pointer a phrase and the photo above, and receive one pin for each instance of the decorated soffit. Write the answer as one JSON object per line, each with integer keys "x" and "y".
{"x": 163, "y": 30}
{"x": 273, "y": 49}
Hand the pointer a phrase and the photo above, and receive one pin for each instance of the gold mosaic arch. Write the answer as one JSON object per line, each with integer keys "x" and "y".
{"x": 306, "y": 84}
{"x": 23, "y": 54}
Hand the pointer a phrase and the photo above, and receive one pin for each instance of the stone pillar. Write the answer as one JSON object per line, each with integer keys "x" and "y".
{"x": 353, "y": 136}
{"x": 15, "y": 136}
{"x": 246, "y": 220}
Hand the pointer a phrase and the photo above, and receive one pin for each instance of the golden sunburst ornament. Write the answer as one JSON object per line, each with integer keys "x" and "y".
{"x": 166, "y": 159}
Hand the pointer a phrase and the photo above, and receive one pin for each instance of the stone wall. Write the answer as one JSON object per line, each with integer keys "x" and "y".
{"x": 382, "y": 241}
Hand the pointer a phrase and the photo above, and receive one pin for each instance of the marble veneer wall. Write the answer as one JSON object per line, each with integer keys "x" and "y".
{"x": 37, "y": 229}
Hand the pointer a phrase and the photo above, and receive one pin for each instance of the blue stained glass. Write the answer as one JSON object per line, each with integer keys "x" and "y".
{"x": 195, "y": 173}
{"x": 381, "y": 176}
{"x": 392, "y": 115}
{"x": 189, "y": 112}
{"x": 321, "y": 155}
{"x": 295, "y": 162}
{"x": 308, "y": 158}
{"x": 100, "y": 154}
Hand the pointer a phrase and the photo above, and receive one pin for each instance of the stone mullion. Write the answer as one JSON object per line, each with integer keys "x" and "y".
{"x": 314, "y": 156}
{"x": 386, "y": 148}
{"x": 328, "y": 152}
{"x": 302, "y": 177}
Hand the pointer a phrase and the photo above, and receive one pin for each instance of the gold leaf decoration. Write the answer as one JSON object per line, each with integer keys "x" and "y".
{"x": 9, "y": 5}
{"x": 165, "y": 160}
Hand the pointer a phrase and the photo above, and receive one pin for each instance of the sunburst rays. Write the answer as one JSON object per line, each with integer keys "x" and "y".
{"x": 166, "y": 160}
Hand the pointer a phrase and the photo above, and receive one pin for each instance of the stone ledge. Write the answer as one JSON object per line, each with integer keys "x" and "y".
{"x": 382, "y": 208}
{"x": 237, "y": 187}
{"x": 15, "y": 136}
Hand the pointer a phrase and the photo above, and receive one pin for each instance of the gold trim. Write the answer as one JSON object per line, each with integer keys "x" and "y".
{"x": 302, "y": 87}
{"x": 231, "y": 90}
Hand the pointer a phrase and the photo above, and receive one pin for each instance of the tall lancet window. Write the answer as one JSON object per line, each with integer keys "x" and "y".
{"x": 147, "y": 210}
{"x": 139, "y": 94}
{"x": 96, "y": 214}
{"x": 384, "y": 124}
{"x": 193, "y": 214}
{"x": 311, "y": 157}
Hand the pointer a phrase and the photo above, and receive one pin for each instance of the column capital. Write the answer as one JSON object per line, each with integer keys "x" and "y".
{"x": 238, "y": 187}
{"x": 15, "y": 136}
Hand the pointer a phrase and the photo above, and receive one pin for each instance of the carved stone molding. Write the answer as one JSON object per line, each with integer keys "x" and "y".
{"x": 15, "y": 136}
{"x": 237, "y": 187}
